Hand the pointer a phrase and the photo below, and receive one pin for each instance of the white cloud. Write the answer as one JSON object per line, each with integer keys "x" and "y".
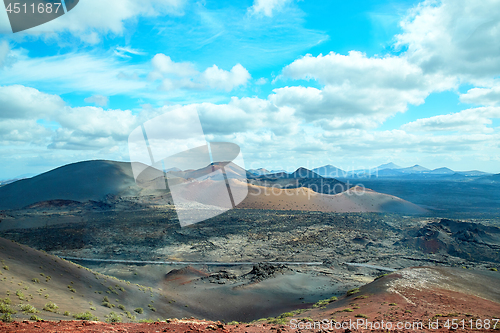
{"x": 482, "y": 96}
{"x": 355, "y": 84}
{"x": 25, "y": 110}
{"x": 267, "y": 7}
{"x": 20, "y": 102}
{"x": 183, "y": 75}
{"x": 217, "y": 78}
{"x": 125, "y": 51}
{"x": 83, "y": 72}
{"x": 97, "y": 100}
{"x": 454, "y": 37}
{"x": 470, "y": 120}
{"x": 163, "y": 65}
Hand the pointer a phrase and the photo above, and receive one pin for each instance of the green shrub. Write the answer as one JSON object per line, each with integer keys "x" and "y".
{"x": 139, "y": 310}
{"x": 50, "y": 307}
{"x": 5, "y": 308}
{"x": 6, "y": 318}
{"x": 121, "y": 307}
{"x": 85, "y": 316}
{"x": 348, "y": 310}
{"x": 20, "y": 294}
{"x": 35, "y": 280}
{"x": 66, "y": 313}
{"x": 359, "y": 315}
{"x": 352, "y": 291}
{"x": 107, "y": 304}
{"x": 35, "y": 318}
{"x": 27, "y": 308}
{"x": 113, "y": 318}
{"x": 129, "y": 315}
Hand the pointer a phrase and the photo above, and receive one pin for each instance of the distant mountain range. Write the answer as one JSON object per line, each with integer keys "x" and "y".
{"x": 391, "y": 170}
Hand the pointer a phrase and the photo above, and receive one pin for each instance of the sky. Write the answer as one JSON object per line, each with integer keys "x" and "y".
{"x": 293, "y": 83}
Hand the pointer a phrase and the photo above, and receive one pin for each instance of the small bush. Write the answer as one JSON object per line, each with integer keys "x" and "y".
{"x": 92, "y": 308}
{"x": 121, "y": 307}
{"x": 85, "y": 316}
{"x": 66, "y": 313}
{"x": 20, "y": 294}
{"x": 494, "y": 269}
{"x": 5, "y": 308}
{"x": 35, "y": 280}
{"x": 6, "y": 267}
{"x": 139, "y": 310}
{"x": 107, "y": 304}
{"x": 50, "y": 307}
{"x": 392, "y": 304}
{"x": 113, "y": 318}
{"x": 359, "y": 315}
{"x": 27, "y": 308}
{"x": 35, "y": 318}
{"x": 352, "y": 291}
{"x": 348, "y": 310}
{"x": 129, "y": 315}
{"x": 6, "y": 318}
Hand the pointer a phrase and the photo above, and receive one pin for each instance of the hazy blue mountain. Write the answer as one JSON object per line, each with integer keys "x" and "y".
{"x": 329, "y": 171}
{"x": 414, "y": 169}
{"x": 442, "y": 171}
{"x": 389, "y": 165}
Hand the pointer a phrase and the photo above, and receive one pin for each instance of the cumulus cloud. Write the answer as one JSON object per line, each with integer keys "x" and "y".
{"x": 267, "y": 7}
{"x": 20, "y": 102}
{"x": 454, "y": 37}
{"x": 183, "y": 75}
{"x": 355, "y": 84}
{"x": 163, "y": 65}
{"x": 26, "y": 110}
{"x": 217, "y": 78}
{"x": 470, "y": 120}
{"x": 97, "y": 100}
{"x": 482, "y": 96}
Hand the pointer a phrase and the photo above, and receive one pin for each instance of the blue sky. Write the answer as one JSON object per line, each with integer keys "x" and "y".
{"x": 294, "y": 83}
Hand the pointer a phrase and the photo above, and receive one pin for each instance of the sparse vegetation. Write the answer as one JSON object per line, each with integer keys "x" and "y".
{"x": 50, "y": 307}
{"x": 347, "y": 310}
{"x": 27, "y": 308}
{"x": 35, "y": 318}
{"x": 359, "y": 315}
{"x": 352, "y": 291}
{"x": 113, "y": 318}
{"x": 129, "y": 315}
{"x": 324, "y": 302}
{"x": 85, "y": 316}
{"x": 139, "y": 310}
{"x": 20, "y": 294}
{"x": 392, "y": 304}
